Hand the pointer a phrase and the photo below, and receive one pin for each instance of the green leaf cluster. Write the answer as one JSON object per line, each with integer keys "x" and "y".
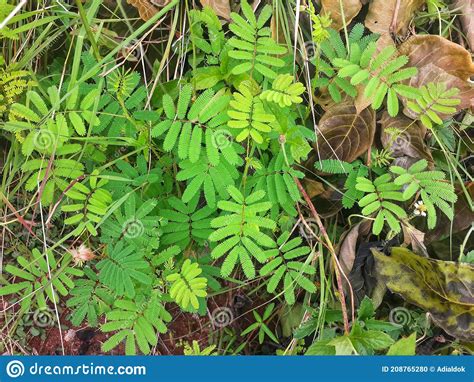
{"x": 186, "y": 286}
{"x": 137, "y": 322}
{"x": 252, "y": 43}
{"x": 382, "y": 75}
{"x": 239, "y": 231}
{"x": 286, "y": 263}
{"x": 431, "y": 186}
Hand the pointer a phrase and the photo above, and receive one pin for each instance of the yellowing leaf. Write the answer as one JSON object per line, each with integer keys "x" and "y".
{"x": 442, "y": 288}
{"x": 404, "y": 346}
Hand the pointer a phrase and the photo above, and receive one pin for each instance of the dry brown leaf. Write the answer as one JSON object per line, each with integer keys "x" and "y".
{"x": 345, "y": 134}
{"x": 415, "y": 238}
{"x": 313, "y": 187}
{"x": 466, "y": 7}
{"x": 410, "y": 140}
{"x": 357, "y": 264}
{"x": 440, "y": 60}
{"x": 347, "y": 249}
{"x": 447, "y": 55}
{"x": 333, "y": 7}
{"x": 147, "y": 8}
{"x": 221, "y": 7}
{"x": 391, "y": 16}
{"x": 329, "y": 202}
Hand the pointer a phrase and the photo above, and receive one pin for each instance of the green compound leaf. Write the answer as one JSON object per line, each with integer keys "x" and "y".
{"x": 284, "y": 92}
{"x": 239, "y": 231}
{"x": 137, "y": 322}
{"x": 186, "y": 286}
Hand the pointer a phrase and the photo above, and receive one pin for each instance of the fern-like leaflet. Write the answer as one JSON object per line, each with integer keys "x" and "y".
{"x": 137, "y": 322}
{"x": 13, "y": 84}
{"x": 333, "y": 166}
{"x": 253, "y": 44}
{"x": 188, "y": 126}
{"x": 123, "y": 269}
{"x": 210, "y": 179}
{"x": 54, "y": 173}
{"x": 135, "y": 224}
{"x": 239, "y": 231}
{"x": 352, "y": 194}
{"x": 379, "y": 198}
{"x": 276, "y": 179}
{"x": 431, "y": 185}
{"x": 150, "y": 181}
{"x": 90, "y": 204}
{"x": 43, "y": 133}
{"x": 89, "y": 299}
{"x": 334, "y": 48}
{"x": 381, "y": 74}
{"x": 248, "y": 114}
{"x": 284, "y": 264}
{"x": 284, "y": 92}
{"x": 320, "y": 24}
{"x": 209, "y": 60}
{"x": 186, "y": 222}
{"x": 435, "y": 99}
{"x": 42, "y": 277}
{"x": 186, "y": 286}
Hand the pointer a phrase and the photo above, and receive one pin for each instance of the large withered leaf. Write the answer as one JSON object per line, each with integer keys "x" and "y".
{"x": 221, "y": 7}
{"x": 333, "y": 7}
{"x": 447, "y": 55}
{"x": 391, "y": 16}
{"x": 345, "y": 134}
{"x": 442, "y": 288}
{"x": 348, "y": 244}
{"x": 357, "y": 264}
{"x": 466, "y": 8}
{"x": 440, "y": 60}
{"x": 147, "y": 8}
{"x": 404, "y": 137}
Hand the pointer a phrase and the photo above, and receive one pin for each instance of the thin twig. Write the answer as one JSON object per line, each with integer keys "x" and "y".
{"x": 331, "y": 250}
